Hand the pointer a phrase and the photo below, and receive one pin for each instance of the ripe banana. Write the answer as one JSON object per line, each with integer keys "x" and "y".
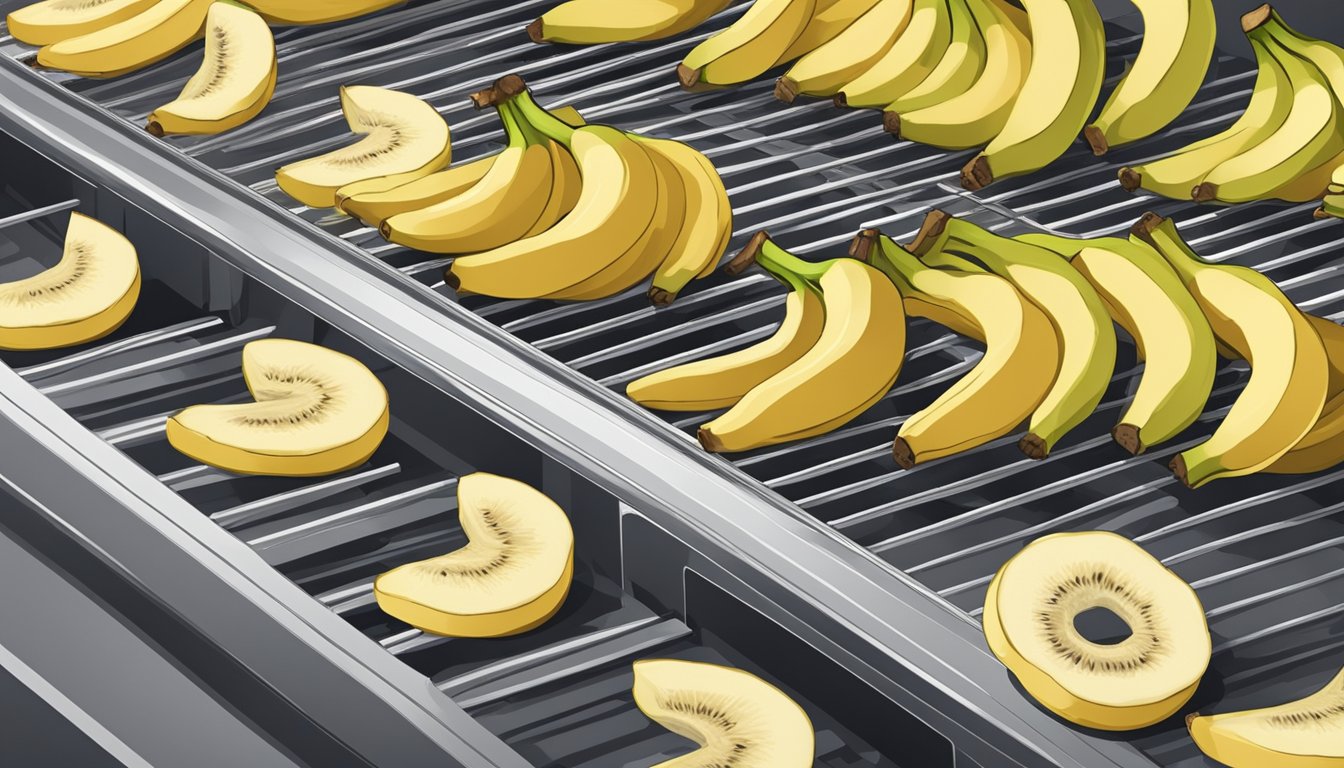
{"x": 974, "y": 117}
{"x": 234, "y": 83}
{"x": 308, "y": 12}
{"x": 749, "y": 46}
{"x": 829, "y": 18}
{"x": 1010, "y": 381}
{"x": 616, "y": 206}
{"x": 1323, "y": 446}
{"x": 49, "y": 21}
{"x": 1086, "y": 338}
{"x": 586, "y": 22}
{"x": 1178, "y": 39}
{"x": 1067, "y": 66}
{"x": 719, "y": 382}
{"x": 1146, "y": 297}
{"x": 1290, "y": 373}
{"x": 149, "y": 36}
{"x": 960, "y": 66}
{"x": 853, "y": 364}
{"x": 906, "y": 64}
{"x": 704, "y": 227}
{"x": 1176, "y": 175}
{"x": 1311, "y": 134}
{"x": 827, "y": 68}
{"x": 1299, "y": 734}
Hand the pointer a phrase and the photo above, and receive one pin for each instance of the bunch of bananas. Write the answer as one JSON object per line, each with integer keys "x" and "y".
{"x": 1286, "y": 145}
{"x": 1043, "y": 307}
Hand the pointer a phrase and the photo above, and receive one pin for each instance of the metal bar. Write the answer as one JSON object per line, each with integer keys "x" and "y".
{"x": 1272, "y": 594}
{"x": 270, "y": 506}
{"x": 1293, "y": 623}
{"x": 38, "y": 213}
{"x": 137, "y": 341}
{"x": 363, "y": 511}
{"x": 1238, "y": 506}
{"x": 1258, "y": 565}
{"x": 723, "y": 346}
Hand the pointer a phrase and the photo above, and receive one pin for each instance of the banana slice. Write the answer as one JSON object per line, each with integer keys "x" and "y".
{"x": 404, "y": 137}
{"x": 235, "y": 81}
{"x": 50, "y": 21}
{"x": 737, "y": 718}
{"x": 86, "y": 296}
{"x": 512, "y": 575}
{"x": 316, "y": 412}
{"x": 1307, "y": 733}
{"x": 157, "y": 32}
{"x": 314, "y": 12}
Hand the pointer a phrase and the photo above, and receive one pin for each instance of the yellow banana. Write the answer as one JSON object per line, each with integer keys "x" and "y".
{"x": 1178, "y": 38}
{"x": 1079, "y": 316}
{"x": 749, "y": 46}
{"x": 235, "y": 81}
{"x": 1290, "y": 373}
{"x": 907, "y": 62}
{"x": 1067, "y": 66}
{"x": 1146, "y": 297}
{"x": 974, "y": 117}
{"x": 566, "y": 186}
{"x": 154, "y": 34}
{"x": 719, "y": 382}
{"x": 960, "y": 66}
{"x": 49, "y": 21}
{"x": 586, "y": 22}
{"x": 1323, "y": 446}
{"x": 706, "y": 223}
{"x": 1006, "y": 385}
{"x": 827, "y": 68}
{"x": 829, "y": 18}
{"x": 1298, "y": 734}
{"x": 852, "y": 365}
{"x": 309, "y": 12}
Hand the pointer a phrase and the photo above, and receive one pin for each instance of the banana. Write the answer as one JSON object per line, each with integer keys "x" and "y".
{"x": 587, "y": 22}
{"x": 1299, "y": 734}
{"x": 854, "y": 362}
{"x": 749, "y": 46}
{"x": 960, "y": 66}
{"x": 973, "y": 118}
{"x": 827, "y": 68}
{"x": 308, "y": 12}
{"x": 154, "y": 34}
{"x": 1146, "y": 297}
{"x": 706, "y": 224}
{"x": 1086, "y": 339}
{"x": 1178, "y": 39}
{"x": 50, "y": 21}
{"x": 829, "y": 18}
{"x": 1068, "y": 64}
{"x": 1176, "y": 175}
{"x": 618, "y": 203}
{"x": 1290, "y": 373}
{"x": 504, "y": 206}
{"x": 1323, "y": 446}
{"x": 906, "y": 64}
{"x": 719, "y": 382}
{"x": 1311, "y": 134}
{"x": 1007, "y": 384}
{"x": 1331, "y": 206}
{"x": 235, "y": 81}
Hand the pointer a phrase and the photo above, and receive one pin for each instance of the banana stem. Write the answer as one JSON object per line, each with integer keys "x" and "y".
{"x": 896, "y": 263}
{"x": 794, "y": 281}
{"x": 517, "y": 131}
{"x": 777, "y": 260}
{"x": 547, "y": 124}
{"x": 1162, "y": 235}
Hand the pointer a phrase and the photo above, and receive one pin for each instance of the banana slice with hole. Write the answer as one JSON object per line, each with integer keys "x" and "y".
{"x": 50, "y": 21}
{"x": 317, "y": 412}
{"x": 86, "y": 296}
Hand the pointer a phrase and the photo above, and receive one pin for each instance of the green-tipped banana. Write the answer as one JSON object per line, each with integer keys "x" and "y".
{"x": 960, "y": 65}
{"x": 906, "y": 64}
{"x": 827, "y": 68}
{"x": 1146, "y": 297}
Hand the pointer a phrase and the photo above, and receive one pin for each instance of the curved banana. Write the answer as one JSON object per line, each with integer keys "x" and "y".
{"x": 719, "y": 382}
{"x": 1007, "y": 384}
{"x": 1311, "y": 134}
{"x": 905, "y": 65}
{"x": 618, "y": 202}
{"x": 707, "y": 220}
{"x": 308, "y": 12}
{"x": 1290, "y": 373}
{"x": 152, "y": 35}
{"x": 49, "y": 21}
{"x": 960, "y": 66}
{"x": 1178, "y": 39}
{"x": 974, "y": 117}
{"x": 1146, "y": 297}
{"x": 234, "y": 83}
{"x": 1298, "y": 734}
{"x": 852, "y": 365}
{"x": 749, "y": 46}
{"x": 1176, "y": 175}
{"x": 827, "y": 68}
{"x": 586, "y": 22}
{"x": 1323, "y": 446}
{"x": 1086, "y": 339}
{"x": 1067, "y": 67}
{"x": 829, "y": 18}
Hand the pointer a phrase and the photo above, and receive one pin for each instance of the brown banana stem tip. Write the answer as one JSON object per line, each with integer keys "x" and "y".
{"x": 1320, "y": 213}
{"x": 1130, "y": 179}
{"x": 1252, "y": 19}
{"x": 840, "y": 101}
{"x": 891, "y": 123}
{"x": 977, "y": 175}
{"x": 452, "y": 280}
{"x": 689, "y": 77}
{"x": 786, "y": 89}
{"x": 385, "y": 229}
{"x": 1204, "y": 192}
{"x": 661, "y": 298}
{"x": 934, "y": 224}
{"x": 154, "y": 129}
{"x": 709, "y": 441}
{"x": 535, "y": 32}
{"x": 504, "y": 89}
{"x": 1146, "y": 224}
{"x": 1127, "y": 436}
{"x": 1097, "y": 139}
{"x": 1033, "y": 446}
{"x": 1190, "y": 719}
{"x": 747, "y": 256}
{"x": 1178, "y": 468}
{"x": 904, "y": 455}
{"x": 861, "y": 247}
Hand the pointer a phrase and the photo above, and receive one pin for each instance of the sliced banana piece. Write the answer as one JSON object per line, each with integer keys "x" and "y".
{"x": 512, "y": 575}
{"x": 317, "y": 411}
{"x": 737, "y": 718}
{"x": 1307, "y": 733}
{"x": 86, "y": 296}
{"x": 53, "y": 20}
{"x": 235, "y": 81}
{"x": 404, "y": 137}
{"x": 157, "y": 32}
